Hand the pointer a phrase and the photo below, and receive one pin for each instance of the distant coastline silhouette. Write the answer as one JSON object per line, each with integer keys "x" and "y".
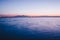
{"x": 25, "y": 16}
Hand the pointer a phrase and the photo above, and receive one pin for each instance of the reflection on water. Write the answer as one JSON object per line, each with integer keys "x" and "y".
{"x": 30, "y": 28}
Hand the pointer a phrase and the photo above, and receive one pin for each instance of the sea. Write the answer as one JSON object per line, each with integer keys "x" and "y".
{"x": 24, "y": 28}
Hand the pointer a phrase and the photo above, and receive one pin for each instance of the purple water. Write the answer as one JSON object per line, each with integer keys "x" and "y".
{"x": 30, "y": 28}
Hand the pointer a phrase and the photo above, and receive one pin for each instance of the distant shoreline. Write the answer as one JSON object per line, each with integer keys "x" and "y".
{"x": 31, "y": 17}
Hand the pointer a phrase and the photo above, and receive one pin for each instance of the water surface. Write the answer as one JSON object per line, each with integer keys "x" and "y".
{"x": 30, "y": 28}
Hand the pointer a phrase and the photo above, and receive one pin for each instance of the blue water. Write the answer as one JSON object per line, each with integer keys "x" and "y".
{"x": 30, "y": 28}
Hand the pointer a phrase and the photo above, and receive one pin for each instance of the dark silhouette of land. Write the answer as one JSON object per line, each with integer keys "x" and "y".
{"x": 25, "y": 16}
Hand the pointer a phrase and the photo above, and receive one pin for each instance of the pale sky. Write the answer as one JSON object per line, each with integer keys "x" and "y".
{"x": 30, "y": 7}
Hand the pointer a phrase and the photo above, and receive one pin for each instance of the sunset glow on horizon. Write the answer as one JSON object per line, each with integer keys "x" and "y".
{"x": 30, "y": 7}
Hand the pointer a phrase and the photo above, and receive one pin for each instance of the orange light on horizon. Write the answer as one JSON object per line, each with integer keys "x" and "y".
{"x": 42, "y": 14}
{"x": 33, "y": 14}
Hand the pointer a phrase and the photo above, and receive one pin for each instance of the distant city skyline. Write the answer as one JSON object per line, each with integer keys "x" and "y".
{"x": 30, "y": 7}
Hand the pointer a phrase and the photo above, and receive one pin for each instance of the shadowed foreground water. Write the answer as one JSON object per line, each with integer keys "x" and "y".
{"x": 29, "y": 28}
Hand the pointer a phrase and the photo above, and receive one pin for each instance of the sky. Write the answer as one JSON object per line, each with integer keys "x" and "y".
{"x": 30, "y": 7}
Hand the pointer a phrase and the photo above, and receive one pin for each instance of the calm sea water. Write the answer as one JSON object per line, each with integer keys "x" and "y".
{"x": 29, "y": 28}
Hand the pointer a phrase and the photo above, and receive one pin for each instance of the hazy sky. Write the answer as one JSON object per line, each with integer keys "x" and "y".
{"x": 30, "y": 7}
